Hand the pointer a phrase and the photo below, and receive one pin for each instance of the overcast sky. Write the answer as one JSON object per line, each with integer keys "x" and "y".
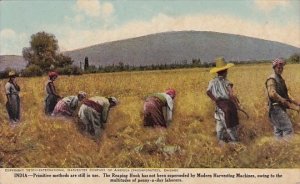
{"x": 81, "y": 23}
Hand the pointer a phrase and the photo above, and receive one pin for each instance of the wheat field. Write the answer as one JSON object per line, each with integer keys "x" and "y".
{"x": 41, "y": 141}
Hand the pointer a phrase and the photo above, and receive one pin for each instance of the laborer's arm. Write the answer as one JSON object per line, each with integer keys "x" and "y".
{"x": 8, "y": 91}
{"x": 209, "y": 93}
{"x": 292, "y": 99}
{"x": 169, "y": 114}
{"x": 169, "y": 108}
{"x": 211, "y": 96}
{"x": 164, "y": 111}
{"x": 104, "y": 113}
{"x": 17, "y": 87}
{"x": 274, "y": 95}
{"x": 74, "y": 103}
{"x": 7, "y": 96}
{"x": 233, "y": 97}
{"x": 53, "y": 90}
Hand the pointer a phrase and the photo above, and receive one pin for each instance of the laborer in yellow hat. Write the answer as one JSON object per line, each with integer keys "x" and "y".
{"x": 220, "y": 91}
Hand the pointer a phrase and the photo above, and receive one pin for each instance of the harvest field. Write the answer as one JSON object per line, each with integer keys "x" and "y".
{"x": 189, "y": 142}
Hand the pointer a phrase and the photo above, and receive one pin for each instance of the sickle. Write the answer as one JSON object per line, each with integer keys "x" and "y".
{"x": 244, "y": 113}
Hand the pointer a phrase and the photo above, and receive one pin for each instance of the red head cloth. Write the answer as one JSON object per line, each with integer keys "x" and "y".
{"x": 52, "y": 74}
{"x": 278, "y": 61}
{"x": 171, "y": 92}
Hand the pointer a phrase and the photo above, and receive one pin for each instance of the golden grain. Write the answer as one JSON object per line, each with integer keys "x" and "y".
{"x": 40, "y": 141}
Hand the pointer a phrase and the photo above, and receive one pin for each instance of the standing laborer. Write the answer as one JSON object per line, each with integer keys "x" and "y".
{"x": 68, "y": 105}
{"x": 12, "y": 90}
{"x": 220, "y": 91}
{"x": 52, "y": 96}
{"x": 158, "y": 108}
{"x": 93, "y": 114}
{"x": 279, "y": 101}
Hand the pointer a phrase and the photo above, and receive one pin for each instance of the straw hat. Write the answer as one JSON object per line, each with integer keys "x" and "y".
{"x": 12, "y": 74}
{"x": 220, "y": 65}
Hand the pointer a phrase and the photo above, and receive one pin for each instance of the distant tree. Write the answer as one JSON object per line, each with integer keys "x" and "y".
{"x": 62, "y": 61}
{"x": 70, "y": 70}
{"x": 32, "y": 70}
{"x": 196, "y": 62}
{"x": 91, "y": 69}
{"x": 44, "y": 52}
{"x": 121, "y": 66}
{"x": 86, "y": 63}
{"x": 295, "y": 58}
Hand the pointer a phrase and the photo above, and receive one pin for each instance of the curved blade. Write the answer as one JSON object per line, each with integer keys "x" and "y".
{"x": 244, "y": 113}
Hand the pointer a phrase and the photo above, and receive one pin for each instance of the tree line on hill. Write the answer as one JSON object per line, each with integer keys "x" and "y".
{"x": 43, "y": 56}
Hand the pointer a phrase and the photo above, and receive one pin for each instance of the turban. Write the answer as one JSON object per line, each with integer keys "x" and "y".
{"x": 171, "y": 92}
{"x": 278, "y": 61}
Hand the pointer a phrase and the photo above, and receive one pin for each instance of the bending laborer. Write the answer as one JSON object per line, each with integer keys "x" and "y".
{"x": 12, "y": 90}
{"x": 52, "y": 96}
{"x": 279, "y": 101}
{"x": 220, "y": 91}
{"x": 158, "y": 108}
{"x": 93, "y": 114}
{"x": 67, "y": 105}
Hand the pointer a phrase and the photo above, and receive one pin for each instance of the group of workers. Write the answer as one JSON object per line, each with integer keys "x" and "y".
{"x": 92, "y": 113}
{"x": 158, "y": 107}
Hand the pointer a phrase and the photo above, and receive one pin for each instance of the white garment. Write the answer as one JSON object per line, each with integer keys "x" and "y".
{"x": 170, "y": 104}
{"x": 219, "y": 87}
{"x": 71, "y": 101}
{"x": 10, "y": 89}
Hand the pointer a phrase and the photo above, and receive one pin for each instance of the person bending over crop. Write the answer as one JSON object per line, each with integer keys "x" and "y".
{"x": 93, "y": 114}
{"x": 158, "y": 108}
{"x": 68, "y": 105}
